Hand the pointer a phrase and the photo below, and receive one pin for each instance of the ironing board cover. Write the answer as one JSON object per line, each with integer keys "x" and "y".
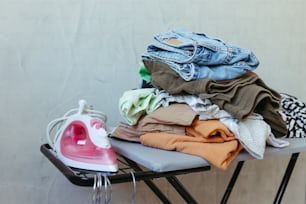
{"x": 162, "y": 160}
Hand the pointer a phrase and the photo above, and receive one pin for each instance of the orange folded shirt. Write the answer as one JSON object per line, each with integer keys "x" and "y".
{"x": 209, "y": 139}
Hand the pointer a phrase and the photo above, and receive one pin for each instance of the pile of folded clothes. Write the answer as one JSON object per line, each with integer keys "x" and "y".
{"x": 201, "y": 96}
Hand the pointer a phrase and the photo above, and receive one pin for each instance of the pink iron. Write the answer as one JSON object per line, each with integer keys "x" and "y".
{"x": 81, "y": 140}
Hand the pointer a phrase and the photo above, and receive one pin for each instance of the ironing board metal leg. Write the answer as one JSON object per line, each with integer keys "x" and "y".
{"x": 157, "y": 191}
{"x": 232, "y": 182}
{"x": 149, "y": 183}
{"x": 286, "y": 178}
{"x": 181, "y": 190}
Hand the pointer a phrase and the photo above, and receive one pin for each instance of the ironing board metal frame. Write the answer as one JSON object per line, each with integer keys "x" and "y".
{"x": 141, "y": 173}
{"x": 86, "y": 178}
{"x": 281, "y": 189}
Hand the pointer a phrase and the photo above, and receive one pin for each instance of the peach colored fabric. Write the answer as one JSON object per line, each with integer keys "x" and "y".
{"x": 209, "y": 139}
{"x": 169, "y": 119}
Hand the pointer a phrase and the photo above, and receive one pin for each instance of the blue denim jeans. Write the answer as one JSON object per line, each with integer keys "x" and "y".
{"x": 196, "y": 56}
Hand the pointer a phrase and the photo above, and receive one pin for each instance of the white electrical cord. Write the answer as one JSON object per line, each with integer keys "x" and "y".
{"x": 57, "y": 123}
{"x": 98, "y": 191}
{"x": 134, "y": 187}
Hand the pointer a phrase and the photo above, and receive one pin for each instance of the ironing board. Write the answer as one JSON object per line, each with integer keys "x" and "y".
{"x": 149, "y": 163}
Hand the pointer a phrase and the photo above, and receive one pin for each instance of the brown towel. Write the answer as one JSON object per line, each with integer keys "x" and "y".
{"x": 240, "y": 97}
{"x": 169, "y": 119}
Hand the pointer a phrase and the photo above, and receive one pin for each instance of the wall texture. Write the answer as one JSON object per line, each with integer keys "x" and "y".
{"x": 53, "y": 53}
